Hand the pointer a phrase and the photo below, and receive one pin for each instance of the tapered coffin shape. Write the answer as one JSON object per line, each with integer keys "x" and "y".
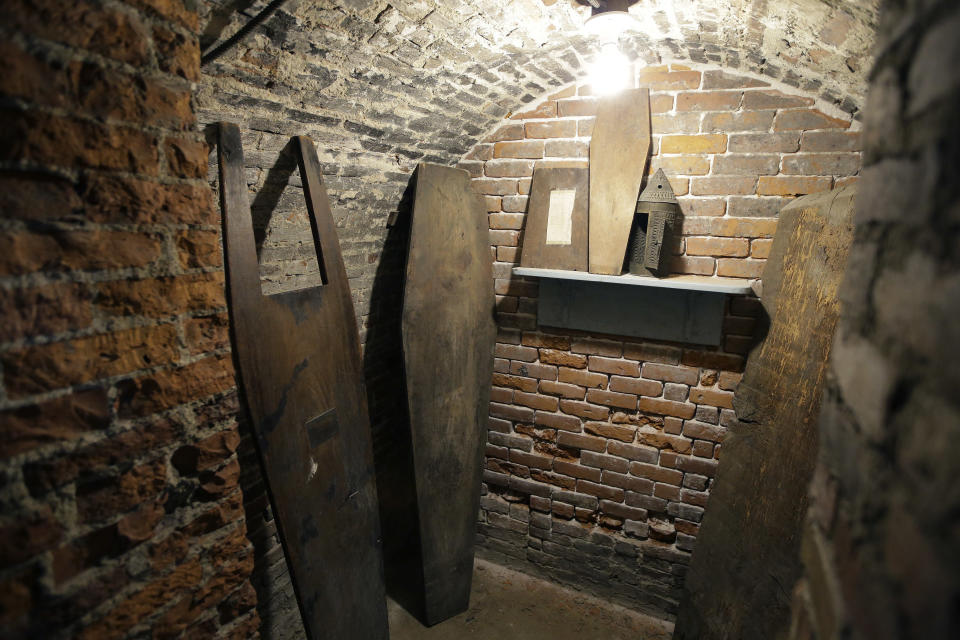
{"x": 299, "y": 363}
{"x": 618, "y": 156}
{"x": 741, "y": 576}
{"x": 448, "y": 334}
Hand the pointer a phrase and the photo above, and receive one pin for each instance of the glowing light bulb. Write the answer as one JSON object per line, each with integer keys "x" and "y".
{"x": 610, "y": 71}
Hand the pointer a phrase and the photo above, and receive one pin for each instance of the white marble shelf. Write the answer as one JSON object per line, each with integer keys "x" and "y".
{"x": 709, "y": 284}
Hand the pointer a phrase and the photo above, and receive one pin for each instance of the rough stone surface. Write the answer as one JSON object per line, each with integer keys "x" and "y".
{"x": 122, "y": 510}
{"x": 880, "y": 549}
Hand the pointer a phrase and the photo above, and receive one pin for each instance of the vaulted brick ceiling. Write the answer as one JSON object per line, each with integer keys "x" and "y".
{"x": 407, "y": 61}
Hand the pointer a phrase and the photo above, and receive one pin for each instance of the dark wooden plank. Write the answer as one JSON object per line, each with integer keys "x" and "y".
{"x": 299, "y": 361}
{"x": 618, "y": 156}
{"x": 661, "y": 314}
{"x": 448, "y": 334}
{"x": 747, "y": 557}
{"x": 546, "y": 243}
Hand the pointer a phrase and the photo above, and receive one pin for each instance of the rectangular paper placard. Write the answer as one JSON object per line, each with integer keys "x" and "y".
{"x": 560, "y": 216}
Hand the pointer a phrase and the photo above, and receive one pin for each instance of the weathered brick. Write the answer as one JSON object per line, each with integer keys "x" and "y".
{"x": 723, "y": 186}
{"x": 59, "y": 364}
{"x": 508, "y": 131}
{"x": 515, "y": 352}
{"x": 755, "y": 207}
{"x": 515, "y": 382}
{"x": 580, "y": 441}
{"x": 633, "y": 452}
{"x": 562, "y": 389}
{"x": 622, "y": 511}
{"x": 743, "y": 228}
{"x": 535, "y": 401}
{"x": 597, "y": 347}
{"x": 648, "y": 351}
{"x": 728, "y": 380}
{"x": 830, "y": 141}
{"x": 643, "y": 501}
{"x": 512, "y": 221}
{"x": 770, "y": 99}
{"x": 666, "y": 407}
{"x": 584, "y": 409}
{"x": 563, "y": 358}
{"x": 566, "y": 149}
{"x": 746, "y": 164}
{"x": 671, "y": 373}
{"x": 551, "y": 129}
{"x": 737, "y": 121}
{"x": 578, "y": 107}
{"x": 706, "y": 143}
{"x": 557, "y": 421}
{"x": 708, "y": 100}
{"x": 613, "y": 366}
{"x": 716, "y": 79}
{"x": 602, "y": 461}
{"x": 661, "y": 440}
{"x": 683, "y": 165}
{"x": 612, "y": 399}
{"x": 494, "y": 186}
{"x": 57, "y": 250}
{"x": 547, "y": 109}
{"x": 547, "y": 341}
{"x": 660, "y": 79}
{"x": 718, "y": 247}
{"x": 740, "y": 267}
{"x": 583, "y": 378}
{"x": 822, "y": 164}
{"x": 63, "y": 418}
{"x": 158, "y": 297}
{"x": 576, "y": 470}
{"x": 807, "y": 119}
{"x": 163, "y": 390}
{"x": 764, "y": 142}
{"x": 508, "y": 168}
{"x": 656, "y": 473}
{"x": 791, "y": 186}
{"x": 582, "y": 500}
{"x": 511, "y": 412}
{"x": 612, "y": 431}
{"x": 530, "y": 459}
{"x": 600, "y": 491}
{"x": 631, "y": 483}
{"x": 712, "y": 397}
{"x": 534, "y": 370}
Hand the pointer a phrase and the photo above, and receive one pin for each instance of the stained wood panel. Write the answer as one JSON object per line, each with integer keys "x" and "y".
{"x": 555, "y": 236}
{"x": 618, "y": 156}
{"x": 448, "y": 334}
{"x": 747, "y": 556}
{"x": 299, "y": 361}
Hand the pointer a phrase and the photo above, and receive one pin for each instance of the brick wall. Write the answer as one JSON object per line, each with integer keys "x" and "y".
{"x": 602, "y": 450}
{"x": 121, "y": 506}
{"x": 880, "y": 549}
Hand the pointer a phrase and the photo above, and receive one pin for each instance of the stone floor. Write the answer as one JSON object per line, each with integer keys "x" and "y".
{"x": 507, "y": 605}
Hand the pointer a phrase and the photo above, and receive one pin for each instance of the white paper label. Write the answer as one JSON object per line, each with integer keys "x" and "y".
{"x": 560, "y": 216}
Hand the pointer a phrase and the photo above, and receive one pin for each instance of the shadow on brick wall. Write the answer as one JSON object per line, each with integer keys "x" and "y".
{"x": 387, "y": 400}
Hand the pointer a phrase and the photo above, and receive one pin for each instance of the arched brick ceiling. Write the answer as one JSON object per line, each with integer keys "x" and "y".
{"x": 450, "y": 69}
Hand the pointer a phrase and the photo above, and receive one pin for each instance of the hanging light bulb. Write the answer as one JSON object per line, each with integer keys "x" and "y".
{"x": 611, "y": 69}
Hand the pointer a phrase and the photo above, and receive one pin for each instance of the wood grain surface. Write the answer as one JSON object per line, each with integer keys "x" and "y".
{"x": 536, "y": 252}
{"x": 448, "y": 335}
{"x": 299, "y": 363}
{"x": 747, "y": 558}
{"x": 618, "y": 156}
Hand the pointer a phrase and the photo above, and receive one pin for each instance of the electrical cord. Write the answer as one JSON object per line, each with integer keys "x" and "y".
{"x": 241, "y": 33}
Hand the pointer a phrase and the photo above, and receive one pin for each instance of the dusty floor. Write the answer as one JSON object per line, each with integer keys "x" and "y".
{"x": 507, "y": 605}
